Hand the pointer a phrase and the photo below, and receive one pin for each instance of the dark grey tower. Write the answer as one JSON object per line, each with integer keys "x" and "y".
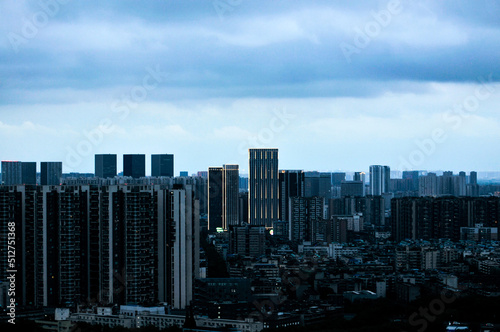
{"x": 51, "y": 173}
{"x": 29, "y": 173}
{"x": 105, "y": 165}
{"x": 291, "y": 185}
{"x": 230, "y": 191}
{"x": 380, "y": 179}
{"x": 215, "y": 197}
{"x": 11, "y": 173}
{"x": 162, "y": 165}
{"x": 264, "y": 187}
{"x": 134, "y": 165}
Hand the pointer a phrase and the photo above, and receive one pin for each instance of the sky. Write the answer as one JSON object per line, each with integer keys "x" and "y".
{"x": 334, "y": 85}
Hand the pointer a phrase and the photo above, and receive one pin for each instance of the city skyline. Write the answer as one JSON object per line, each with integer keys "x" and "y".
{"x": 349, "y": 175}
{"x": 335, "y": 86}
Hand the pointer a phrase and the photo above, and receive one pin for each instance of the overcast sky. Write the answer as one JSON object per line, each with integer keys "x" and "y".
{"x": 335, "y": 85}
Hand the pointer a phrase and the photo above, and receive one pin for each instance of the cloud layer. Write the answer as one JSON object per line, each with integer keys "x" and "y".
{"x": 364, "y": 82}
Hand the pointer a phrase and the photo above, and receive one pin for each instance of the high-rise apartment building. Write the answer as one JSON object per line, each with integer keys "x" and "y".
{"x": 134, "y": 165}
{"x": 264, "y": 187}
{"x": 180, "y": 263}
{"x": 304, "y": 213}
{"x": 380, "y": 179}
{"x": 441, "y": 217}
{"x": 162, "y": 165}
{"x": 247, "y": 240}
{"x": 122, "y": 244}
{"x": 105, "y": 165}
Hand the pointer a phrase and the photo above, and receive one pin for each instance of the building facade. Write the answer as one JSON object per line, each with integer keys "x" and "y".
{"x": 263, "y": 187}
{"x": 162, "y": 165}
{"x": 134, "y": 165}
{"x": 105, "y": 165}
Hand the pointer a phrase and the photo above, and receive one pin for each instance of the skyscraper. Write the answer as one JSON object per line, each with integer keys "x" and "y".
{"x": 223, "y": 190}
{"x": 413, "y": 175}
{"x": 134, "y": 165}
{"x": 380, "y": 179}
{"x": 337, "y": 178}
{"x": 105, "y": 165}
{"x": 291, "y": 184}
{"x": 51, "y": 173}
{"x": 28, "y": 173}
{"x": 264, "y": 187}
{"x": 11, "y": 173}
{"x": 325, "y": 185}
{"x": 162, "y": 165}
{"x": 473, "y": 187}
{"x": 359, "y": 176}
{"x": 215, "y": 188}
{"x": 230, "y": 191}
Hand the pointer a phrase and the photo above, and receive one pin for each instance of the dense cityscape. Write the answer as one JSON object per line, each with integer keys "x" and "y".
{"x": 273, "y": 249}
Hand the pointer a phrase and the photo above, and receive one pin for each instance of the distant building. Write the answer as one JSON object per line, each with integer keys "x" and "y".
{"x": 215, "y": 197}
{"x": 428, "y": 185}
{"x": 472, "y": 186}
{"x": 51, "y": 173}
{"x": 18, "y": 173}
{"x": 359, "y": 176}
{"x": 372, "y": 208}
{"x": 337, "y": 178}
{"x": 105, "y": 165}
{"x": 264, "y": 187}
{"x": 338, "y": 230}
{"x": 291, "y": 184}
{"x": 223, "y": 197}
{"x": 247, "y": 240}
{"x": 203, "y": 174}
{"x": 11, "y": 173}
{"x": 184, "y": 173}
{"x": 134, "y": 165}
{"x": 223, "y": 298}
{"x": 244, "y": 184}
{"x": 230, "y": 185}
{"x": 28, "y": 173}
{"x": 162, "y": 165}
{"x": 441, "y": 217}
{"x": 243, "y": 207}
{"x": 479, "y": 233}
{"x": 352, "y": 188}
{"x": 380, "y": 179}
{"x": 305, "y": 213}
